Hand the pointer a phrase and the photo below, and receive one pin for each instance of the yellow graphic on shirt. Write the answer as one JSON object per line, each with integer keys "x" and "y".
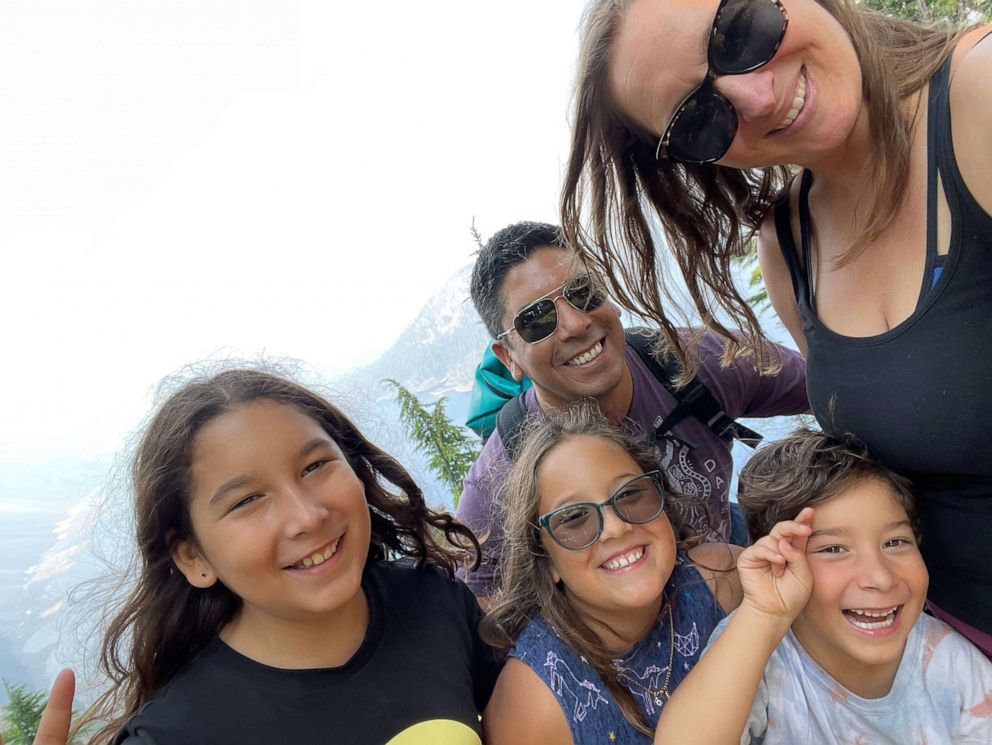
{"x": 437, "y": 732}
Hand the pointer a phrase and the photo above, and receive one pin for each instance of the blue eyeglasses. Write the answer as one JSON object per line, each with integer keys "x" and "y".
{"x": 578, "y": 526}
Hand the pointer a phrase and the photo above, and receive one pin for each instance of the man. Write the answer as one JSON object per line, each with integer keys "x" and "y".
{"x": 552, "y": 322}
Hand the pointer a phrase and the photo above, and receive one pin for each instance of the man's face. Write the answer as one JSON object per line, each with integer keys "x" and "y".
{"x": 584, "y": 357}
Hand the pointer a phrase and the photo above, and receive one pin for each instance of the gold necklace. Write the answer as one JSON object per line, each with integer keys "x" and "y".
{"x": 656, "y": 694}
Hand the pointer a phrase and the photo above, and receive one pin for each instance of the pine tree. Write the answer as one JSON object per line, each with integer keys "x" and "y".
{"x": 20, "y": 718}
{"x": 449, "y": 448}
{"x": 22, "y": 714}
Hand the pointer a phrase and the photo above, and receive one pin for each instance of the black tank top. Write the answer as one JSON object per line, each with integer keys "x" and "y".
{"x": 920, "y": 394}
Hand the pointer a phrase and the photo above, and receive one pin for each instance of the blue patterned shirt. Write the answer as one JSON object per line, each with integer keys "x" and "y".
{"x": 593, "y": 716}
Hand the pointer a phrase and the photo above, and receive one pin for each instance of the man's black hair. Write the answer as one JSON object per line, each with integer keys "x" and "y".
{"x": 508, "y": 247}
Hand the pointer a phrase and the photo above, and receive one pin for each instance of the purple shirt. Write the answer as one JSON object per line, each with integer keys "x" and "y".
{"x": 696, "y": 461}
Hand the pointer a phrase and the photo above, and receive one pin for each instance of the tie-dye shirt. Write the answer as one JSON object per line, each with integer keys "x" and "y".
{"x": 942, "y": 693}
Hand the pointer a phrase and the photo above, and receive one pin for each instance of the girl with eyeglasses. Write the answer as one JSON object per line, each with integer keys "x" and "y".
{"x": 605, "y": 600}
{"x": 855, "y": 146}
{"x": 264, "y": 606}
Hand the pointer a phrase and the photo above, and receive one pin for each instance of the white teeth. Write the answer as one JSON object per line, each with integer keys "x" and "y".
{"x": 886, "y": 618}
{"x": 871, "y": 626}
{"x": 797, "y": 104}
{"x": 619, "y": 562}
{"x": 319, "y": 557}
{"x": 587, "y": 356}
{"x": 874, "y": 614}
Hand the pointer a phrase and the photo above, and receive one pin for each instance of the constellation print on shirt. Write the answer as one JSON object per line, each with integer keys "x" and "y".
{"x": 584, "y": 693}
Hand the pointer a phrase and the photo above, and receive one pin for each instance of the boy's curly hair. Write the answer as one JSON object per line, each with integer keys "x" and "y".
{"x": 806, "y": 468}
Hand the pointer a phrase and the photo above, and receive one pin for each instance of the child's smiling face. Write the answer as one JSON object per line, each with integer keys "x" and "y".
{"x": 620, "y": 579}
{"x": 869, "y": 586}
{"x": 279, "y": 516}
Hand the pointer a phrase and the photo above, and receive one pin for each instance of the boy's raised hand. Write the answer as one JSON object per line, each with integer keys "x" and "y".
{"x": 54, "y": 726}
{"x": 774, "y": 573}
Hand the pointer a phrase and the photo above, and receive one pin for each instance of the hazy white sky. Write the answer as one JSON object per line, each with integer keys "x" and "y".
{"x": 182, "y": 179}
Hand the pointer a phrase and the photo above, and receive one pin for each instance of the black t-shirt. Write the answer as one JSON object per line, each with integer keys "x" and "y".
{"x": 422, "y": 675}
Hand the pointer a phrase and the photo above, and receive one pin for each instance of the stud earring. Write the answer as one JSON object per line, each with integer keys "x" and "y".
{"x": 203, "y": 574}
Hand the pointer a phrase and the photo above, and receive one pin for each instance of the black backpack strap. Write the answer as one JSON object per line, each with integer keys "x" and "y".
{"x": 695, "y": 399}
{"x": 510, "y": 423}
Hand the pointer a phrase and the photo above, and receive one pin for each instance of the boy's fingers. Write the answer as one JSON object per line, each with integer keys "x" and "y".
{"x": 801, "y": 540}
{"x": 55, "y": 721}
{"x": 768, "y": 542}
{"x": 788, "y": 528}
{"x": 795, "y": 555}
{"x": 765, "y": 557}
{"x": 762, "y": 553}
{"x": 793, "y": 533}
{"x": 754, "y": 554}
{"x": 789, "y": 551}
{"x": 779, "y": 529}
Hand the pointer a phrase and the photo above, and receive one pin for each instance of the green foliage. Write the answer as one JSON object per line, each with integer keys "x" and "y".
{"x": 758, "y": 297}
{"x": 476, "y": 236}
{"x": 20, "y": 718}
{"x": 930, "y": 11}
{"x": 22, "y": 714}
{"x": 449, "y": 448}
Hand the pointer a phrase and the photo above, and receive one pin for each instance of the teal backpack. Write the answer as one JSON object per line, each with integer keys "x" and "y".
{"x": 493, "y": 387}
{"x": 497, "y": 399}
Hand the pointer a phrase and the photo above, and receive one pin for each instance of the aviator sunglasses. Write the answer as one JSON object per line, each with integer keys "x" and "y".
{"x": 746, "y": 35}
{"x": 538, "y": 320}
{"x": 578, "y": 526}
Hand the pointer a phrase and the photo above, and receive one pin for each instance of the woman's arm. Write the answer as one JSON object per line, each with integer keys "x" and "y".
{"x": 776, "y": 582}
{"x": 523, "y": 711}
{"x": 971, "y": 113}
{"x": 778, "y": 283}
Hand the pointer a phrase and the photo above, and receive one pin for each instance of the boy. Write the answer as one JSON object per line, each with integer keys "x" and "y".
{"x": 829, "y": 644}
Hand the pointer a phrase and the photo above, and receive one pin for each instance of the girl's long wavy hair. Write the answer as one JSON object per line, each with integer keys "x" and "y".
{"x": 614, "y": 186}
{"x": 527, "y": 589}
{"x": 164, "y": 622}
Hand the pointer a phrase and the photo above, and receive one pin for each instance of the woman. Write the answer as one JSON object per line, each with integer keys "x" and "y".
{"x": 264, "y": 609}
{"x": 877, "y": 259}
{"x": 605, "y": 602}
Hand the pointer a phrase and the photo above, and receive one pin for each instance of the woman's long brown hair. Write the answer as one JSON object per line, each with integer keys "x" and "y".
{"x": 615, "y": 188}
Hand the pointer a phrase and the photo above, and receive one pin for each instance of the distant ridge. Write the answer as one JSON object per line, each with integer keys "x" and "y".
{"x": 437, "y": 353}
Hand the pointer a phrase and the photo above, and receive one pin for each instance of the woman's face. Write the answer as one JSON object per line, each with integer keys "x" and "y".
{"x": 798, "y": 108}
{"x": 622, "y": 576}
{"x": 279, "y": 516}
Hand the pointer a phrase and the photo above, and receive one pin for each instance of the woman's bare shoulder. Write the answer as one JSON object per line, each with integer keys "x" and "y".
{"x": 971, "y": 112}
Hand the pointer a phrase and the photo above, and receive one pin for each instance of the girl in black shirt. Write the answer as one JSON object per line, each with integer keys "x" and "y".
{"x": 264, "y": 609}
